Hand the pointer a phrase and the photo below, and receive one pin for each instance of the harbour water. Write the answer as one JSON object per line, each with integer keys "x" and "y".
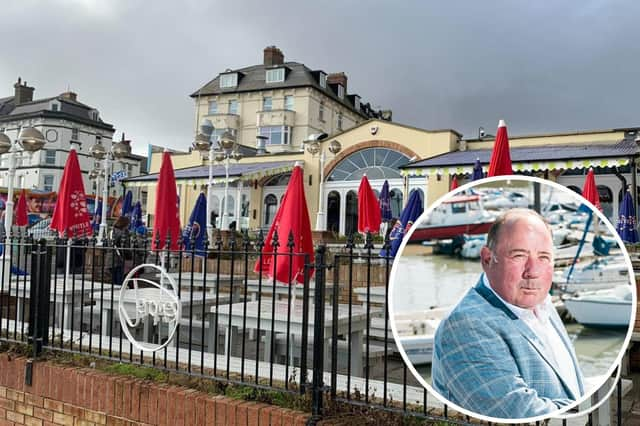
{"x": 424, "y": 282}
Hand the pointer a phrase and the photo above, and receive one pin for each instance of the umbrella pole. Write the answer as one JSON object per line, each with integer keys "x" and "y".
{"x": 68, "y": 262}
{"x": 293, "y": 311}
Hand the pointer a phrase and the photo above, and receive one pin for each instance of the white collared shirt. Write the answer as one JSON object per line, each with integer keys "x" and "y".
{"x": 540, "y": 324}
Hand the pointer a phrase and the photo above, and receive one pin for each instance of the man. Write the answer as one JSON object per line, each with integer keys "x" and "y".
{"x": 503, "y": 351}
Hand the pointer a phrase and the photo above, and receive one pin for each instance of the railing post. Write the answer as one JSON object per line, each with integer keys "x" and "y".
{"x": 40, "y": 289}
{"x": 318, "y": 335}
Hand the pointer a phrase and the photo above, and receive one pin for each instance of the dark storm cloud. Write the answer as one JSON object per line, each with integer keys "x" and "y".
{"x": 541, "y": 66}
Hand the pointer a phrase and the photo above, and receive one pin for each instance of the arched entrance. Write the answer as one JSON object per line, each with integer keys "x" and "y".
{"x": 351, "y": 218}
{"x": 333, "y": 212}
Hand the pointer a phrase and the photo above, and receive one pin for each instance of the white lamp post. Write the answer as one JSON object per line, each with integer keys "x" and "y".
{"x": 118, "y": 151}
{"x": 31, "y": 140}
{"x": 313, "y": 147}
{"x": 205, "y": 146}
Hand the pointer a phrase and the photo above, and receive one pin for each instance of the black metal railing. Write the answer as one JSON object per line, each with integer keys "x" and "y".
{"x": 328, "y": 337}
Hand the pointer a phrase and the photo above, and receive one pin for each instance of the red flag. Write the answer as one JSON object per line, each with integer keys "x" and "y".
{"x": 22, "y": 218}
{"x": 454, "y": 183}
{"x": 70, "y": 213}
{"x": 590, "y": 190}
{"x": 501, "y": 157}
{"x": 368, "y": 208}
{"x": 292, "y": 216}
{"x": 167, "y": 219}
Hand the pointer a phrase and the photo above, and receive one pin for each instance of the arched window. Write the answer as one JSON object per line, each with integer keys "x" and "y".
{"x": 270, "y": 208}
{"x": 230, "y": 208}
{"x": 333, "y": 212}
{"x": 396, "y": 202}
{"x": 351, "y": 215}
{"x": 606, "y": 200}
{"x": 377, "y": 163}
{"x": 215, "y": 210}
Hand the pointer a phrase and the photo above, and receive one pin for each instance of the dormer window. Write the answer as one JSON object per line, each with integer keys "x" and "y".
{"x": 55, "y": 106}
{"x": 94, "y": 114}
{"x": 275, "y": 75}
{"x": 356, "y": 103}
{"x": 228, "y": 80}
{"x": 340, "y": 91}
{"x": 323, "y": 80}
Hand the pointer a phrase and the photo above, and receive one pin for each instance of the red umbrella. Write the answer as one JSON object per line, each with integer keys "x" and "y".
{"x": 292, "y": 216}
{"x": 70, "y": 213}
{"x": 590, "y": 190}
{"x": 167, "y": 219}
{"x": 368, "y": 208}
{"x": 22, "y": 218}
{"x": 454, "y": 183}
{"x": 501, "y": 157}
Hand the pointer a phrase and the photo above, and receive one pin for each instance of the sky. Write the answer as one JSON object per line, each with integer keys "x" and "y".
{"x": 541, "y": 66}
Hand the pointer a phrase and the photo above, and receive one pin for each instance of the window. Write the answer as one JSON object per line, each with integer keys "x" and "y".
{"x": 323, "y": 80}
{"x": 340, "y": 91}
{"x": 233, "y": 106}
{"x": 340, "y": 121}
{"x": 321, "y": 112}
{"x": 94, "y": 114}
{"x": 21, "y": 182}
{"x": 218, "y": 132}
{"x": 213, "y": 107}
{"x": 270, "y": 207}
{"x": 54, "y": 107}
{"x": 356, "y": 102}
{"x": 267, "y": 103}
{"x": 276, "y": 135}
{"x": 288, "y": 103}
{"x": 228, "y": 80}
{"x": 50, "y": 157}
{"x": 98, "y": 139}
{"x": 74, "y": 134}
{"x": 275, "y": 76}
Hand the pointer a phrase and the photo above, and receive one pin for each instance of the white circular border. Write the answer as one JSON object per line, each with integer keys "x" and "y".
{"x": 123, "y": 289}
{"x": 394, "y": 268}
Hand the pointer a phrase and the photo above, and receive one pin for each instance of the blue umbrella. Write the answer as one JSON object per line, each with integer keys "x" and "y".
{"x": 477, "y": 171}
{"x": 627, "y": 220}
{"x": 136, "y": 217}
{"x": 127, "y": 204}
{"x": 97, "y": 216}
{"x": 409, "y": 215}
{"x": 385, "y": 203}
{"x": 196, "y": 227}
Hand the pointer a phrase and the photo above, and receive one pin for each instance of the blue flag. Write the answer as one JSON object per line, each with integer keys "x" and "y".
{"x": 409, "y": 215}
{"x": 196, "y": 229}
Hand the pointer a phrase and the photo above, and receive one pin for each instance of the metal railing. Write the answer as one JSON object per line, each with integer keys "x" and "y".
{"x": 326, "y": 337}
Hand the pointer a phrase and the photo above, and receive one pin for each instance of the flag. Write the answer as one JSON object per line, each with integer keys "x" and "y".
{"x": 410, "y": 214}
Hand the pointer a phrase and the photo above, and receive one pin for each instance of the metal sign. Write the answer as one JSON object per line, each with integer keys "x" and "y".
{"x": 154, "y": 309}
{"x": 118, "y": 176}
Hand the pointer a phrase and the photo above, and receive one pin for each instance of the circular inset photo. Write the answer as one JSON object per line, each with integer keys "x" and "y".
{"x": 525, "y": 302}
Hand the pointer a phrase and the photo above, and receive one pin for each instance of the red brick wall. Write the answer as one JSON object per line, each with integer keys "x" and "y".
{"x": 74, "y": 396}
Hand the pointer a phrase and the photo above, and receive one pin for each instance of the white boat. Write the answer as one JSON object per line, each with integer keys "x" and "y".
{"x": 419, "y": 348}
{"x": 505, "y": 200}
{"x": 416, "y": 331}
{"x": 472, "y": 246}
{"x": 601, "y": 273}
{"x": 602, "y": 308}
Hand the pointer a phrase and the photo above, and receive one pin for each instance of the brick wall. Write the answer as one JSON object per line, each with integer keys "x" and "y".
{"x": 74, "y": 396}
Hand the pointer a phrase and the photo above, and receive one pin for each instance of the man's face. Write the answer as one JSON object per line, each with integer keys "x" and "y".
{"x": 520, "y": 268}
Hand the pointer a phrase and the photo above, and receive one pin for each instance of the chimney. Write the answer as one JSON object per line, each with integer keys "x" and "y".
{"x": 273, "y": 56}
{"x": 72, "y": 96}
{"x": 23, "y": 93}
{"x": 338, "y": 78}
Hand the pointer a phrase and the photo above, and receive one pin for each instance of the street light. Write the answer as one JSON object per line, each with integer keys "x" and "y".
{"x": 313, "y": 146}
{"x": 31, "y": 140}
{"x": 228, "y": 149}
{"x": 118, "y": 151}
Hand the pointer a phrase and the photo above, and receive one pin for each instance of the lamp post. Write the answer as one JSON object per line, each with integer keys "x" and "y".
{"x": 118, "y": 151}
{"x": 313, "y": 147}
{"x": 228, "y": 149}
{"x": 31, "y": 140}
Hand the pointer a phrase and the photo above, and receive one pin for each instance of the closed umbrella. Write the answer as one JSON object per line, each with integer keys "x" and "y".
{"x": 136, "y": 217}
{"x": 292, "y": 217}
{"x": 477, "y": 171}
{"x": 22, "y": 217}
{"x": 127, "y": 204}
{"x": 410, "y": 214}
{"x": 195, "y": 229}
{"x": 500, "y": 163}
{"x": 167, "y": 219}
{"x": 627, "y": 220}
{"x": 385, "y": 202}
{"x": 454, "y": 183}
{"x": 368, "y": 208}
{"x": 590, "y": 190}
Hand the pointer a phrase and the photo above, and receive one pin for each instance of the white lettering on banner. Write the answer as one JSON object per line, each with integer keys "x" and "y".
{"x": 152, "y": 306}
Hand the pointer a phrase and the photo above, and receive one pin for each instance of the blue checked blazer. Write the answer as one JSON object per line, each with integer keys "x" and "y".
{"x": 487, "y": 360}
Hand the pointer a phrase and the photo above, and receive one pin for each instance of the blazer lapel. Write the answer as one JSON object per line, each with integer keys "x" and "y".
{"x": 528, "y": 334}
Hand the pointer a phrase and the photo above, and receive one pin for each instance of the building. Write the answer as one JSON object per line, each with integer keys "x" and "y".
{"x": 283, "y": 101}
{"x": 65, "y": 122}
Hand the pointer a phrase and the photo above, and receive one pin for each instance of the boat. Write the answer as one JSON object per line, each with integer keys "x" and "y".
{"x": 419, "y": 348}
{"x": 416, "y": 331}
{"x": 462, "y": 214}
{"x": 506, "y": 200}
{"x": 600, "y": 273}
{"x": 473, "y": 245}
{"x": 609, "y": 308}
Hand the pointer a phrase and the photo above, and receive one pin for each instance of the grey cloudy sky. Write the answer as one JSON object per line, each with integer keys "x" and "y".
{"x": 542, "y": 66}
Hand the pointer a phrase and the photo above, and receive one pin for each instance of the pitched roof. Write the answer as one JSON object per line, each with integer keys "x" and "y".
{"x": 253, "y": 78}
